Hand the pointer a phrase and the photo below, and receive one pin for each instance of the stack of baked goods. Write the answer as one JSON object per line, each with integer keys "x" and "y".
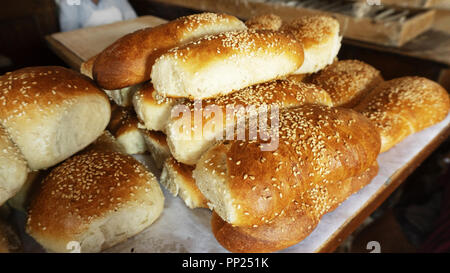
{"x": 320, "y": 125}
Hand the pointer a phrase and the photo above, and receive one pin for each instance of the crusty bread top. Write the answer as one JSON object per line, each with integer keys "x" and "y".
{"x": 83, "y": 189}
{"x": 156, "y": 136}
{"x": 312, "y": 30}
{"x": 347, "y": 81}
{"x": 226, "y": 46}
{"x": 129, "y": 60}
{"x": 123, "y": 119}
{"x": 149, "y": 96}
{"x": 41, "y": 89}
{"x": 264, "y": 21}
{"x": 183, "y": 170}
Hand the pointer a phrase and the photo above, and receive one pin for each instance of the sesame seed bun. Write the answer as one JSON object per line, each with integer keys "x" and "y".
{"x": 320, "y": 38}
{"x": 347, "y": 82}
{"x": 296, "y": 222}
{"x": 317, "y": 144}
{"x": 129, "y": 60}
{"x": 157, "y": 146}
{"x": 403, "y": 106}
{"x": 177, "y": 179}
{"x": 51, "y": 113}
{"x": 97, "y": 199}
{"x": 265, "y": 21}
{"x": 13, "y": 167}
{"x": 221, "y": 64}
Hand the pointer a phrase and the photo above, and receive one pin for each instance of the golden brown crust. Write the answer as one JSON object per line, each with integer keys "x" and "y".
{"x": 294, "y": 225}
{"x": 317, "y": 144}
{"x": 311, "y": 30}
{"x": 347, "y": 82}
{"x": 84, "y": 188}
{"x": 87, "y": 66}
{"x": 403, "y": 106}
{"x": 129, "y": 60}
{"x": 157, "y": 136}
{"x": 123, "y": 119}
{"x": 265, "y": 21}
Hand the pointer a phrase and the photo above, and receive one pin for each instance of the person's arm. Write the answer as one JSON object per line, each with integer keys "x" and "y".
{"x": 127, "y": 10}
{"x": 68, "y": 16}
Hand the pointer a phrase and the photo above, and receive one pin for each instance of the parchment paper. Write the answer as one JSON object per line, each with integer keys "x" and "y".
{"x": 180, "y": 229}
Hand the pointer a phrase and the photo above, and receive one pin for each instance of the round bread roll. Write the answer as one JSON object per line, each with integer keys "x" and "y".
{"x": 347, "y": 81}
{"x": 321, "y": 41}
{"x": 265, "y": 21}
{"x": 13, "y": 168}
{"x": 51, "y": 113}
{"x": 94, "y": 200}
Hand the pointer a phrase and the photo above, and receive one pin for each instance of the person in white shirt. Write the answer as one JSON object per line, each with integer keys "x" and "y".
{"x": 74, "y": 14}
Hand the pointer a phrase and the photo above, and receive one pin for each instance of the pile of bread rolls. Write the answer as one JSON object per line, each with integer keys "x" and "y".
{"x": 334, "y": 118}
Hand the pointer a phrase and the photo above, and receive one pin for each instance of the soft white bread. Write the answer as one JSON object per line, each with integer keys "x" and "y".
{"x": 13, "y": 167}
{"x": 51, "y": 113}
{"x": 157, "y": 146}
{"x": 188, "y": 141}
{"x": 247, "y": 186}
{"x": 403, "y": 106}
{"x": 223, "y": 63}
{"x": 124, "y": 126}
{"x": 21, "y": 199}
{"x": 347, "y": 82}
{"x": 264, "y": 21}
{"x": 319, "y": 35}
{"x": 177, "y": 178}
{"x": 153, "y": 111}
{"x": 97, "y": 199}
{"x": 129, "y": 60}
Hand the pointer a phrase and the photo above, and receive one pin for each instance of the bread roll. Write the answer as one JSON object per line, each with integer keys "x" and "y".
{"x": 87, "y": 66}
{"x": 106, "y": 142}
{"x": 220, "y": 64}
{"x": 187, "y": 142}
{"x": 51, "y": 113}
{"x": 296, "y": 222}
{"x": 129, "y": 60}
{"x": 317, "y": 144}
{"x": 157, "y": 146}
{"x": 177, "y": 178}
{"x": 403, "y": 106}
{"x": 97, "y": 199}
{"x": 13, "y": 168}
{"x": 21, "y": 199}
{"x": 265, "y": 21}
{"x": 347, "y": 82}
{"x": 154, "y": 112}
{"x": 319, "y": 35}
{"x": 124, "y": 126}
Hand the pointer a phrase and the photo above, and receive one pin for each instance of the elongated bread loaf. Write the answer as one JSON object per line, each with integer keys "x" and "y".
{"x": 403, "y": 106}
{"x": 295, "y": 223}
{"x": 223, "y": 63}
{"x": 153, "y": 111}
{"x": 319, "y": 35}
{"x": 177, "y": 178}
{"x": 347, "y": 82}
{"x": 51, "y": 113}
{"x": 188, "y": 141}
{"x": 317, "y": 144}
{"x": 129, "y": 60}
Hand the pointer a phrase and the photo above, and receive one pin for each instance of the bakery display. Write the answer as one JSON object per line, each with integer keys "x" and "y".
{"x": 347, "y": 81}
{"x": 403, "y": 106}
{"x": 96, "y": 199}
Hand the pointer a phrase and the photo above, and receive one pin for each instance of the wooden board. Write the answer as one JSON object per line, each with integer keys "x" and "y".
{"x": 76, "y": 46}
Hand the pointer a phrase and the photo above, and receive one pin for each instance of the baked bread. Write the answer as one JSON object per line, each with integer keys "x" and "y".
{"x": 97, "y": 199}
{"x": 106, "y": 142}
{"x": 157, "y": 146}
{"x": 317, "y": 145}
{"x": 296, "y": 222}
{"x": 124, "y": 126}
{"x": 21, "y": 199}
{"x": 177, "y": 179}
{"x": 220, "y": 64}
{"x": 129, "y": 60}
{"x": 188, "y": 141}
{"x": 87, "y": 66}
{"x": 13, "y": 168}
{"x": 51, "y": 113}
{"x": 403, "y": 106}
{"x": 319, "y": 35}
{"x": 264, "y": 21}
{"x": 347, "y": 82}
{"x": 152, "y": 110}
